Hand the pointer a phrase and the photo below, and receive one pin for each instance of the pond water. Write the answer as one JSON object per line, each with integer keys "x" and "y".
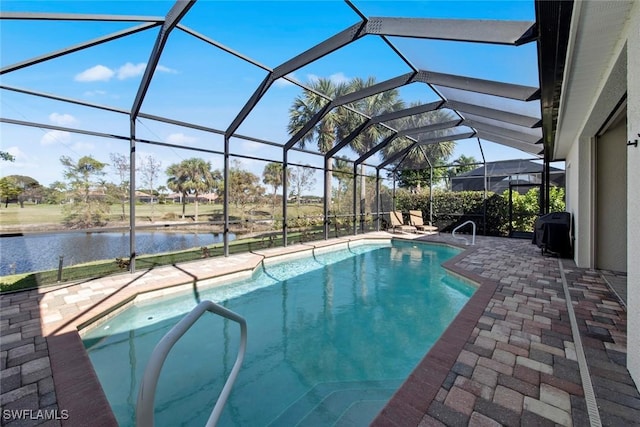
{"x": 21, "y": 254}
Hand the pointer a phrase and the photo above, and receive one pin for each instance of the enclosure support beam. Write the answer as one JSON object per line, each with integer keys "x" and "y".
{"x": 225, "y": 197}
{"x": 327, "y": 195}
{"x": 377, "y": 199}
{"x": 393, "y": 193}
{"x": 484, "y": 203}
{"x": 177, "y": 12}
{"x": 77, "y": 47}
{"x": 355, "y": 199}
{"x": 544, "y": 194}
{"x": 430, "y": 185}
{"x": 132, "y": 196}
{"x": 285, "y": 190}
{"x": 436, "y": 140}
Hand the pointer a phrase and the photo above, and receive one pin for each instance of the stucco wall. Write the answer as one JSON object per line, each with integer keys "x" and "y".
{"x": 633, "y": 196}
{"x": 573, "y": 197}
{"x": 611, "y": 198}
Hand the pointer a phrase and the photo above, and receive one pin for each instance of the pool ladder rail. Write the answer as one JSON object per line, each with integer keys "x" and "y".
{"x": 147, "y": 393}
{"x": 473, "y": 239}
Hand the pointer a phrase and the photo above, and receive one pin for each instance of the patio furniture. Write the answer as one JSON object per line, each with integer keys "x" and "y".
{"x": 397, "y": 223}
{"x": 415, "y": 219}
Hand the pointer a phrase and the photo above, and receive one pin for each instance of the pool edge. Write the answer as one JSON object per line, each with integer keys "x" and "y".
{"x": 77, "y": 387}
{"x": 411, "y": 401}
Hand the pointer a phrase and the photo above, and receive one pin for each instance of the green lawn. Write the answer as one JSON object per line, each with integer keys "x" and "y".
{"x": 15, "y": 217}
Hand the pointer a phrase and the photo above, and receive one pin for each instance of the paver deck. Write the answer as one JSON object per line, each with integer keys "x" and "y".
{"x": 509, "y": 358}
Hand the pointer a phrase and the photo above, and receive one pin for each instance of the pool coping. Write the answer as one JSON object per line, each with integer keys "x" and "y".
{"x": 518, "y": 364}
{"x": 410, "y": 402}
{"x": 77, "y": 386}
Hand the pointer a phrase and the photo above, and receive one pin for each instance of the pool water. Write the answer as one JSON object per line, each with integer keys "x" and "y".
{"x": 330, "y": 338}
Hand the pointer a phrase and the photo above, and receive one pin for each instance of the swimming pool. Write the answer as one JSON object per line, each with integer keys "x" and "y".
{"x": 330, "y": 338}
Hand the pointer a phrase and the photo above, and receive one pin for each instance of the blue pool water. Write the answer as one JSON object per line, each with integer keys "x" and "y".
{"x": 330, "y": 338}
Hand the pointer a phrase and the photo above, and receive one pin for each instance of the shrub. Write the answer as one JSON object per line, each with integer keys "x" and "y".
{"x": 453, "y": 208}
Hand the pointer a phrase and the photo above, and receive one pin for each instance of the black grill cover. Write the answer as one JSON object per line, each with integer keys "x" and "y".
{"x": 552, "y": 233}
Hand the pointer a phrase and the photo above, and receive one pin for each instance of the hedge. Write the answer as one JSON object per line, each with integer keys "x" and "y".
{"x": 453, "y": 208}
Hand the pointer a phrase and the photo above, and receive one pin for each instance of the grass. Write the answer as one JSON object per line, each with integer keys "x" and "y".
{"x": 15, "y": 217}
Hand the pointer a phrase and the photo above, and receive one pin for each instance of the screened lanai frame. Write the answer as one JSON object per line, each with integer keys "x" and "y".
{"x": 470, "y": 120}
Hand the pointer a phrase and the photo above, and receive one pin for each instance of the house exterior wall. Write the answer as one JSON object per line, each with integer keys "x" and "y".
{"x": 611, "y": 199}
{"x": 573, "y": 198}
{"x": 619, "y": 77}
{"x": 633, "y": 195}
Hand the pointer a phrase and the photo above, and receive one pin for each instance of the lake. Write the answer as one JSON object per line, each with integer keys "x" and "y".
{"x": 29, "y": 253}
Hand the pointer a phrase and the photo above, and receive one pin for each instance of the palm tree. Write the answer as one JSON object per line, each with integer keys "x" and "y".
{"x": 437, "y": 153}
{"x": 343, "y": 171}
{"x": 464, "y": 164}
{"x": 191, "y": 176}
{"x": 176, "y": 182}
{"x": 272, "y": 175}
{"x": 201, "y": 180}
{"x": 328, "y": 130}
{"x": 372, "y": 106}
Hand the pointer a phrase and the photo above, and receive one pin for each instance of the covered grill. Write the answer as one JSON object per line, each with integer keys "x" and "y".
{"x": 552, "y": 233}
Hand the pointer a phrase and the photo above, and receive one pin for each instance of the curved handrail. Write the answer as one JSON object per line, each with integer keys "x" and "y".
{"x": 147, "y": 393}
{"x": 473, "y": 239}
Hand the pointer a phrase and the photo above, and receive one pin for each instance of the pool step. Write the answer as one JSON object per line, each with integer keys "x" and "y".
{"x": 341, "y": 403}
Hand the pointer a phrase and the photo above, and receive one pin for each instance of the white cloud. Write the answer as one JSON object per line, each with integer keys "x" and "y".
{"x": 95, "y": 93}
{"x": 126, "y": 71}
{"x": 62, "y": 119}
{"x": 16, "y": 152}
{"x": 95, "y": 74}
{"x": 83, "y": 146}
{"x": 166, "y": 69}
{"x": 285, "y": 83}
{"x": 55, "y": 137}
{"x": 251, "y": 146}
{"x": 180, "y": 139}
{"x": 336, "y": 78}
{"x": 130, "y": 70}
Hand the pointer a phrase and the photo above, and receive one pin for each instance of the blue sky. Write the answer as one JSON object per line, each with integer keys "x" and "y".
{"x": 199, "y": 83}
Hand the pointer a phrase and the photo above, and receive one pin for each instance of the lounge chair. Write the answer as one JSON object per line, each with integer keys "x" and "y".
{"x": 398, "y": 224}
{"x": 415, "y": 218}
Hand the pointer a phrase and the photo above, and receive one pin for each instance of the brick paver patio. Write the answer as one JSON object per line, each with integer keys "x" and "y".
{"x": 509, "y": 358}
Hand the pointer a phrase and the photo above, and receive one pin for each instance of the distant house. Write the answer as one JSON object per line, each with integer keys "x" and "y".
{"x": 501, "y": 174}
{"x": 206, "y": 198}
{"x": 145, "y": 197}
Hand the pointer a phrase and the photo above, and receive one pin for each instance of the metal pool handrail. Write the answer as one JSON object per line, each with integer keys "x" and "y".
{"x": 473, "y": 241}
{"x": 146, "y": 396}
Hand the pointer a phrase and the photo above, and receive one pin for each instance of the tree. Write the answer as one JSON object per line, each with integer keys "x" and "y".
{"x": 243, "y": 186}
{"x": 55, "y": 193}
{"x": 9, "y": 189}
{"x": 302, "y": 178}
{"x": 162, "y": 193}
{"x": 414, "y": 169}
{"x": 343, "y": 172}
{"x": 331, "y": 128}
{"x": 272, "y": 175}
{"x": 464, "y": 164}
{"x": 459, "y": 166}
{"x": 83, "y": 179}
{"x": 372, "y": 106}
{"x": 121, "y": 166}
{"x": 150, "y": 170}
{"x": 191, "y": 177}
{"x": 28, "y": 189}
